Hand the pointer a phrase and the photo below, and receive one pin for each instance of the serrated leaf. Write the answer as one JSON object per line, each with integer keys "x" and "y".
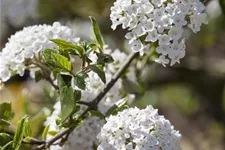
{"x": 69, "y": 46}
{"x": 97, "y": 32}
{"x": 4, "y": 139}
{"x": 118, "y": 106}
{"x": 20, "y": 133}
{"x": 5, "y": 110}
{"x": 79, "y": 80}
{"x": 67, "y": 101}
{"x": 62, "y": 62}
{"x": 99, "y": 70}
{"x": 45, "y": 132}
{"x": 47, "y": 55}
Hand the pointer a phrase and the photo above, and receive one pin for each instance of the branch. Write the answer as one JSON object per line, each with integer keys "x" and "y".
{"x": 94, "y": 103}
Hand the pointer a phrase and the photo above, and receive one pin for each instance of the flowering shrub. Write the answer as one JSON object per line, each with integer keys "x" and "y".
{"x": 138, "y": 129}
{"x": 27, "y": 44}
{"x": 92, "y": 103}
{"x": 160, "y": 23}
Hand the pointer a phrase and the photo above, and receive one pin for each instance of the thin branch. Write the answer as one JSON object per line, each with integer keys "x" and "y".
{"x": 94, "y": 103}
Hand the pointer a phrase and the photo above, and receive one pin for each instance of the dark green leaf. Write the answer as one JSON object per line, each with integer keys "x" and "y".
{"x": 8, "y": 146}
{"x": 67, "y": 101}
{"x": 77, "y": 94}
{"x": 69, "y": 46}
{"x": 222, "y": 4}
{"x": 45, "y": 132}
{"x": 20, "y": 132}
{"x": 3, "y": 124}
{"x": 4, "y": 139}
{"x": 120, "y": 105}
{"x": 97, "y": 32}
{"x": 104, "y": 59}
{"x": 99, "y": 70}
{"x": 62, "y": 61}
{"x": 97, "y": 114}
{"x": 63, "y": 80}
{"x": 38, "y": 75}
{"x": 5, "y": 110}
{"x": 79, "y": 80}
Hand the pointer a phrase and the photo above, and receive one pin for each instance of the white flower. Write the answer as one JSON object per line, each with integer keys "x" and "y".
{"x": 135, "y": 129}
{"x": 27, "y": 43}
{"x": 164, "y": 39}
{"x": 149, "y": 22}
{"x": 162, "y": 60}
{"x": 179, "y": 20}
{"x": 137, "y": 46}
{"x": 152, "y": 36}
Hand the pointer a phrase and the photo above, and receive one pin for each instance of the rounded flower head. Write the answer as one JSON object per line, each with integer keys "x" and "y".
{"x": 24, "y": 45}
{"x": 157, "y": 21}
{"x": 135, "y": 129}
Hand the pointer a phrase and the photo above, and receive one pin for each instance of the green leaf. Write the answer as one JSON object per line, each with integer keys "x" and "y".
{"x": 47, "y": 55}
{"x": 120, "y": 105}
{"x": 97, "y": 32}
{"x": 62, "y": 61}
{"x": 97, "y": 114}
{"x": 52, "y": 133}
{"x": 222, "y": 4}
{"x": 21, "y": 131}
{"x": 63, "y": 80}
{"x": 69, "y": 46}
{"x": 99, "y": 70}
{"x": 79, "y": 80}
{"x": 77, "y": 94}
{"x": 67, "y": 101}
{"x": 4, "y": 139}
{"x": 38, "y": 75}
{"x": 3, "y": 124}
{"x": 5, "y": 110}
{"x": 45, "y": 132}
{"x": 7, "y": 146}
{"x": 104, "y": 59}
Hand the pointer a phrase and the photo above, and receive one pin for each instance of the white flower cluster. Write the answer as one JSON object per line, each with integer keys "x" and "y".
{"x": 135, "y": 129}
{"x": 160, "y": 22}
{"x": 84, "y": 137}
{"x": 27, "y": 43}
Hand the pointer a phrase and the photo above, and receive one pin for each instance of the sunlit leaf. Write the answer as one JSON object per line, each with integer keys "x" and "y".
{"x": 21, "y": 131}
{"x": 45, "y": 132}
{"x": 97, "y": 32}
{"x": 62, "y": 61}
{"x": 69, "y": 46}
